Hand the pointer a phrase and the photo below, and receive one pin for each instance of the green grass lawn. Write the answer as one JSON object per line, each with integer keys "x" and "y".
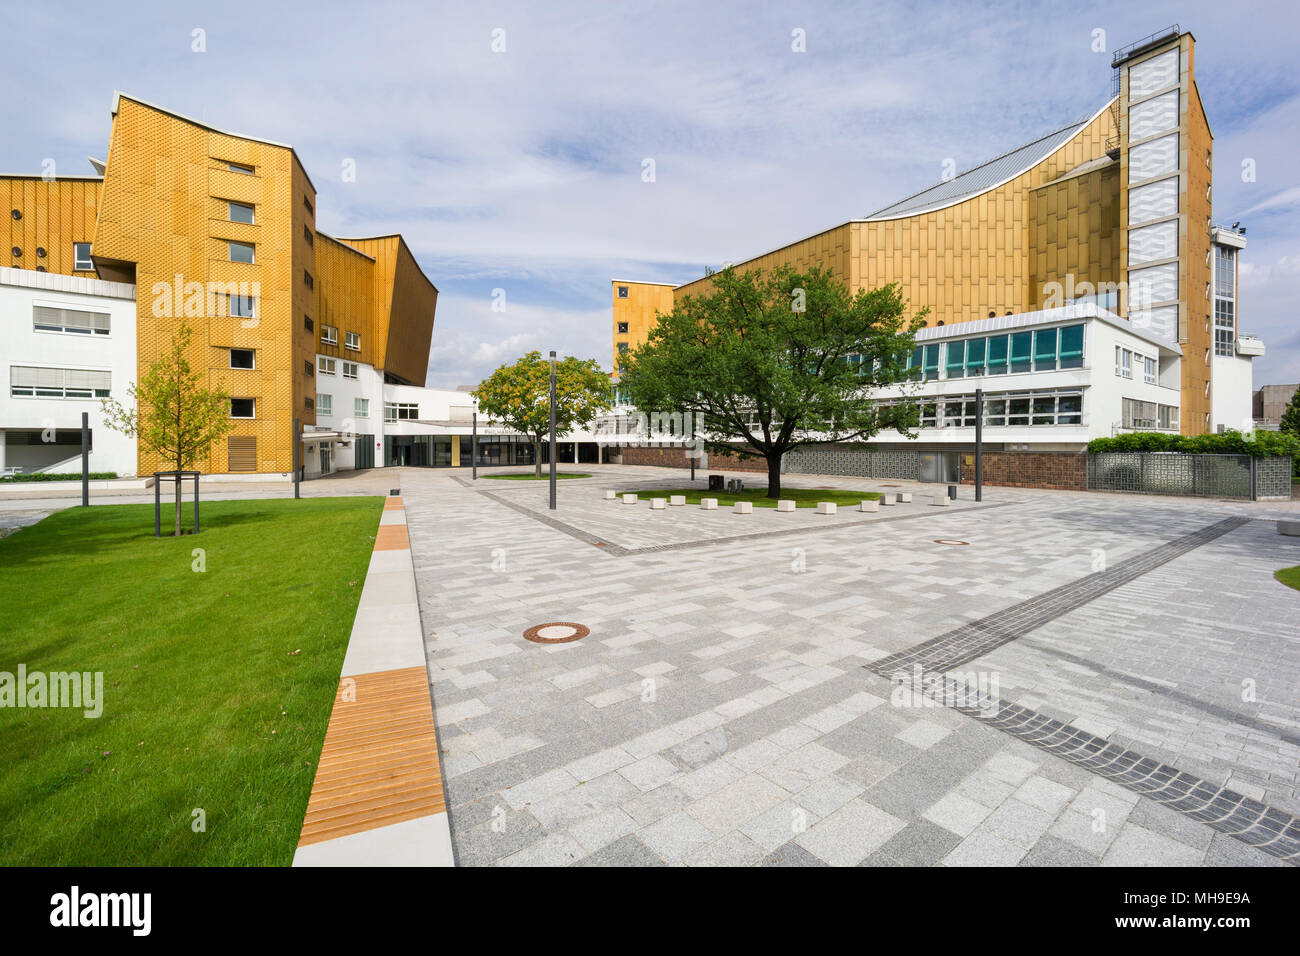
{"x": 802, "y": 497}
{"x": 1289, "y": 576}
{"x": 529, "y": 476}
{"x": 217, "y": 685}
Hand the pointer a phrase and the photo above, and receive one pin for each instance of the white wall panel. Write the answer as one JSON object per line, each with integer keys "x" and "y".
{"x": 1153, "y": 242}
{"x": 1153, "y": 75}
{"x": 1156, "y": 115}
{"x": 1156, "y": 158}
{"x": 1156, "y": 200}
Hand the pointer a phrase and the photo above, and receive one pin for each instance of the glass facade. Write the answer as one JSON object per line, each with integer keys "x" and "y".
{"x": 1039, "y": 350}
{"x": 1027, "y": 408}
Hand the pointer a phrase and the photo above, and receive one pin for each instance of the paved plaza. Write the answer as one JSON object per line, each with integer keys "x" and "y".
{"x": 733, "y": 702}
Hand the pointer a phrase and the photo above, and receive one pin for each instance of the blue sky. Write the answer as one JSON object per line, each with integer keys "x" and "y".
{"x": 522, "y": 170}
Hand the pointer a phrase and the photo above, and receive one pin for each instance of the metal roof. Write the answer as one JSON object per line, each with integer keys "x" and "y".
{"x": 983, "y": 177}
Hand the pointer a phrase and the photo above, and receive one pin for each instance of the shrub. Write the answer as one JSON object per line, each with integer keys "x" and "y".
{"x": 58, "y": 476}
{"x": 1260, "y": 444}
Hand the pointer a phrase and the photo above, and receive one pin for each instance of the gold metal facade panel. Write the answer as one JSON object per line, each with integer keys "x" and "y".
{"x": 56, "y": 214}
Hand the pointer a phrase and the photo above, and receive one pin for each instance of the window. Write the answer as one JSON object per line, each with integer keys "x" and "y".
{"x": 326, "y": 365}
{"x": 306, "y": 202}
{"x": 241, "y": 251}
{"x": 995, "y": 411}
{"x": 306, "y": 234}
{"x": 241, "y": 358}
{"x": 1069, "y": 410}
{"x": 241, "y": 168}
{"x": 997, "y": 355}
{"x": 308, "y": 324}
{"x": 240, "y": 212}
{"x": 1021, "y": 348}
{"x": 33, "y": 382}
{"x": 1018, "y": 411}
{"x": 622, "y": 328}
{"x": 622, "y": 292}
{"x": 1123, "y": 362}
{"x": 324, "y": 404}
{"x": 956, "y": 359}
{"x": 242, "y": 407}
{"x": 329, "y": 335}
{"x": 50, "y": 319}
{"x": 622, "y": 348}
{"x": 975, "y": 356}
{"x": 241, "y": 306}
{"x": 81, "y": 257}
{"x": 1044, "y": 410}
{"x": 308, "y": 369}
{"x": 307, "y": 280}
{"x": 351, "y": 370}
{"x": 1148, "y": 370}
{"x": 352, "y": 340}
{"x": 401, "y": 411}
{"x": 361, "y": 407}
{"x": 1072, "y": 346}
{"x": 1045, "y": 349}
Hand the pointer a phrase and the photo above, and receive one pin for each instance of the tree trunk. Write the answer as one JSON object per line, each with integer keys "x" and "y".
{"x": 774, "y": 475}
{"x": 537, "y": 458}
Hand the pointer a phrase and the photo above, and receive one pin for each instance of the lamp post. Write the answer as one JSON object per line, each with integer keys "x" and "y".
{"x": 297, "y": 445}
{"x": 979, "y": 444}
{"x": 473, "y": 446}
{"x": 553, "y": 446}
{"x": 85, "y": 459}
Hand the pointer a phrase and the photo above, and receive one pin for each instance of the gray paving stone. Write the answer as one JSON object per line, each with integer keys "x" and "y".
{"x": 791, "y": 854}
{"x": 918, "y": 844}
{"x": 850, "y": 834}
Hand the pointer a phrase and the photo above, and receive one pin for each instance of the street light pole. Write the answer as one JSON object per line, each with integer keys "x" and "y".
{"x": 979, "y": 444}
{"x": 473, "y": 448}
{"x": 553, "y": 445}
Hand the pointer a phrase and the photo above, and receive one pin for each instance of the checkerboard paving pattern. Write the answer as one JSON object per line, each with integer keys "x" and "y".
{"x": 720, "y": 711}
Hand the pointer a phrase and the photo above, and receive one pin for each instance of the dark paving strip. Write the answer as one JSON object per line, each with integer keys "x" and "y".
{"x": 618, "y": 551}
{"x": 1252, "y": 822}
{"x": 1171, "y": 693}
{"x": 976, "y": 638}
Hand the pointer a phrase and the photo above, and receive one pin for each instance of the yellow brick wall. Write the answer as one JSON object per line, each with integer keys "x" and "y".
{"x": 55, "y": 214}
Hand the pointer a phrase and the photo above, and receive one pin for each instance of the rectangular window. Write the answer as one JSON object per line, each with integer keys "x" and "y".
{"x": 242, "y": 407}
{"x": 1045, "y": 410}
{"x": 351, "y": 370}
{"x": 308, "y": 369}
{"x": 622, "y": 328}
{"x": 33, "y": 382}
{"x": 975, "y": 356}
{"x": 306, "y": 234}
{"x": 325, "y": 364}
{"x": 306, "y": 202}
{"x": 1149, "y": 370}
{"x": 324, "y": 404}
{"x": 81, "y": 257}
{"x": 1069, "y": 410}
{"x": 995, "y": 412}
{"x": 1018, "y": 411}
{"x": 956, "y": 359}
{"x": 997, "y": 355}
{"x": 352, "y": 340}
{"x": 307, "y": 402}
{"x": 307, "y": 280}
{"x": 1072, "y": 346}
{"x": 1126, "y": 364}
{"x": 242, "y": 358}
{"x": 1045, "y": 350}
{"x": 1223, "y": 340}
{"x": 401, "y": 411}
{"x": 308, "y": 324}
{"x": 241, "y": 212}
{"x": 622, "y": 348}
{"x": 49, "y": 319}
{"x": 622, "y": 292}
{"x": 361, "y": 407}
{"x": 1021, "y": 346}
{"x": 241, "y": 168}
{"x": 241, "y": 251}
{"x": 241, "y": 306}
{"x": 329, "y": 335}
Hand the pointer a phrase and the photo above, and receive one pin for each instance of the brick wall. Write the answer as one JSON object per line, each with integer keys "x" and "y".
{"x": 1065, "y": 470}
{"x": 676, "y": 458}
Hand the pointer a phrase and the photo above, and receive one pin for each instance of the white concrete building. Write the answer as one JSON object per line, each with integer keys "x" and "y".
{"x": 1231, "y": 381}
{"x": 66, "y": 342}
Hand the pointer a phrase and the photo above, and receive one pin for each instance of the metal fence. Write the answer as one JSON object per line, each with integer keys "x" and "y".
{"x": 1176, "y": 473}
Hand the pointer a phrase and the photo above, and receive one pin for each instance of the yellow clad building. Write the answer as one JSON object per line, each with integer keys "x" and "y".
{"x": 218, "y": 230}
{"x": 1113, "y": 209}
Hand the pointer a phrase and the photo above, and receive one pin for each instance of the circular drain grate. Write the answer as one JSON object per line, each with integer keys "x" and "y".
{"x": 556, "y": 632}
{"x": 950, "y": 541}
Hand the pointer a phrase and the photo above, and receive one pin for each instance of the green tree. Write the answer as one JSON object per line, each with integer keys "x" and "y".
{"x": 768, "y": 362}
{"x": 519, "y": 396}
{"x": 1291, "y": 416}
{"x": 175, "y": 415}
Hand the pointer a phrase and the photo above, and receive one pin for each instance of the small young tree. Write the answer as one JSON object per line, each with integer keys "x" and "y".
{"x": 519, "y": 395}
{"x": 175, "y": 415}
{"x": 1291, "y": 416}
{"x": 772, "y": 361}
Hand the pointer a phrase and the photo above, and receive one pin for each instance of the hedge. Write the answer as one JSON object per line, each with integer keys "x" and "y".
{"x": 1260, "y": 444}
{"x": 52, "y": 476}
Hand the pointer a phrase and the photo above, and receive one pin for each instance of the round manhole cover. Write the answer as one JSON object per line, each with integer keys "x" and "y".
{"x": 556, "y": 632}
{"x": 950, "y": 541}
